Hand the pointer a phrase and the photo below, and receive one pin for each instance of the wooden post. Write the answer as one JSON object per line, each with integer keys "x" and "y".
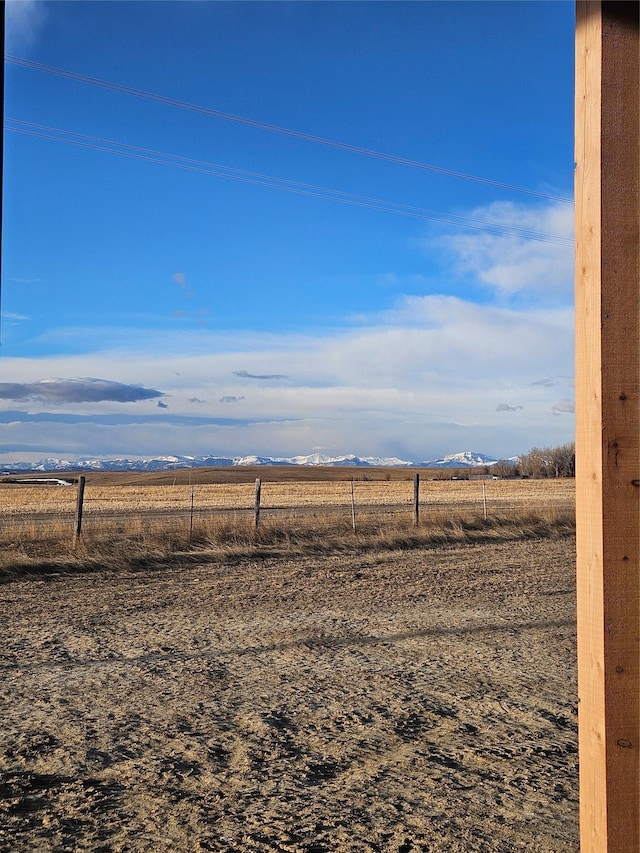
{"x": 353, "y": 507}
{"x": 608, "y": 423}
{"x": 2, "y": 39}
{"x": 79, "y": 503}
{"x": 484, "y": 499}
{"x": 256, "y": 510}
{"x": 191, "y": 516}
{"x": 416, "y": 500}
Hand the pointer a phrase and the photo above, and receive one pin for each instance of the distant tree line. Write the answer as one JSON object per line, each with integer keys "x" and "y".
{"x": 540, "y": 463}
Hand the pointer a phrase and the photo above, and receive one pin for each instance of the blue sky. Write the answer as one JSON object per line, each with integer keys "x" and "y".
{"x": 208, "y": 289}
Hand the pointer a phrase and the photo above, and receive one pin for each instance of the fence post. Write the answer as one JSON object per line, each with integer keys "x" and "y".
{"x": 257, "y": 504}
{"x": 353, "y": 507}
{"x": 79, "y": 502}
{"x": 484, "y": 498}
{"x": 416, "y": 500}
{"x": 191, "y": 517}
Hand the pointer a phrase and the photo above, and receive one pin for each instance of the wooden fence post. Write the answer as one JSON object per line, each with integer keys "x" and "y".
{"x": 256, "y": 516}
{"x": 416, "y": 500}
{"x": 79, "y": 504}
{"x": 608, "y": 422}
{"x": 353, "y": 507}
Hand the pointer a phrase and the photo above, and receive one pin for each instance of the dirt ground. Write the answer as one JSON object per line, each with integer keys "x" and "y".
{"x": 402, "y": 701}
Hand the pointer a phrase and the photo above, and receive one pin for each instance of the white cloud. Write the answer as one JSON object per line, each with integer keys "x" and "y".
{"x": 563, "y": 407}
{"x": 513, "y": 265}
{"x": 24, "y": 21}
{"x": 427, "y": 378}
{"x": 14, "y": 318}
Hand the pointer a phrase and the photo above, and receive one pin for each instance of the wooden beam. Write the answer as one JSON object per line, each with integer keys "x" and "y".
{"x": 2, "y": 39}
{"x": 608, "y": 423}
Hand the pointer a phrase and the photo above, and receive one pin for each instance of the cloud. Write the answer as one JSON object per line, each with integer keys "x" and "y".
{"x": 16, "y": 417}
{"x": 76, "y": 391}
{"x": 230, "y": 398}
{"x": 162, "y": 405}
{"x": 24, "y": 21}
{"x": 513, "y": 265}
{"x": 449, "y": 341}
{"x": 14, "y": 317}
{"x": 563, "y": 407}
{"x": 419, "y": 381}
{"x": 545, "y": 383}
{"x": 505, "y": 407}
{"x": 244, "y": 374}
{"x": 180, "y": 279}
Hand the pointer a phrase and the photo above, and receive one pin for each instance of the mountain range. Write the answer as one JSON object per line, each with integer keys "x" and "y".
{"x": 465, "y": 459}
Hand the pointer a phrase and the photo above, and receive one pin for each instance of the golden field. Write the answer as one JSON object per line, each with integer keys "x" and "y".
{"x": 126, "y": 495}
{"x": 126, "y": 517}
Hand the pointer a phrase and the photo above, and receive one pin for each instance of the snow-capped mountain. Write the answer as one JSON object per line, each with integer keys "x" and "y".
{"x": 466, "y": 459}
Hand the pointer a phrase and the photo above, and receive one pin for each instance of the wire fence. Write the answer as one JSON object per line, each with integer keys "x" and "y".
{"x": 55, "y": 511}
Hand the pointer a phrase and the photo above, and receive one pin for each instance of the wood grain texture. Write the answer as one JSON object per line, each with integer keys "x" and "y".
{"x": 608, "y": 423}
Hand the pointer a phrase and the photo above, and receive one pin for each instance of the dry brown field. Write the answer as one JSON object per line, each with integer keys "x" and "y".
{"x": 387, "y": 700}
{"x": 145, "y": 506}
{"x": 238, "y": 474}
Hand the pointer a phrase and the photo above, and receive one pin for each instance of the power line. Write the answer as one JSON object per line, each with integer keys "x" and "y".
{"x": 272, "y": 182}
{"x": 232, "y": 173}
{"x": 272, "y": 128}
